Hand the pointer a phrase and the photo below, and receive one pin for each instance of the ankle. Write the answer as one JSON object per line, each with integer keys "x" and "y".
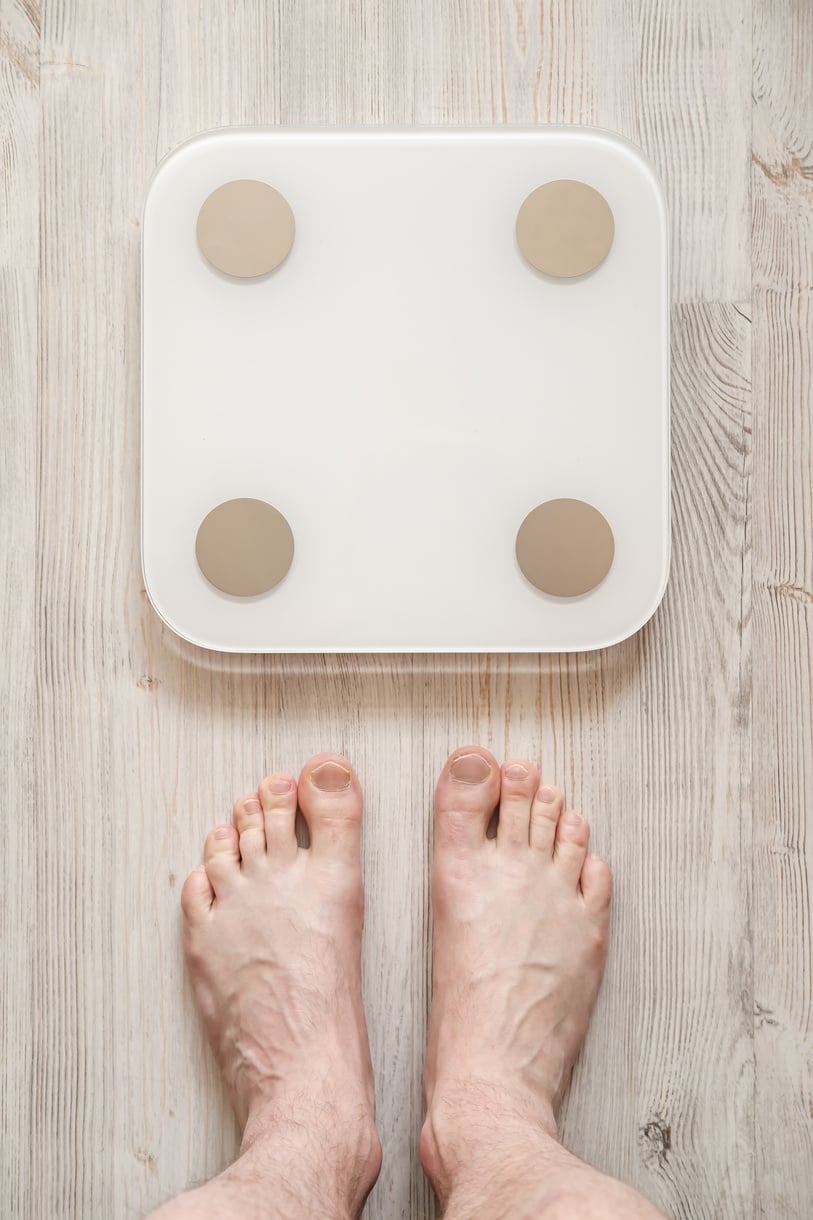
{"x": 340, "y": 1151}
{"x": 477, "y": 1124}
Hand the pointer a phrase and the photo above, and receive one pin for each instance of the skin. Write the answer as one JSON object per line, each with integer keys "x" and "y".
{"x": 272, "y": 939}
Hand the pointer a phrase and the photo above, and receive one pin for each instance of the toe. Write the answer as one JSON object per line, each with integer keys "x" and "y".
{"x": 466, "y": 796}
{"x": 278, "y": 797}
{"x": 519, "y": 782}
{"x": 248, "y": 819}
{"x": 221, "y": 855}
{"x": 597, "y": 885}
{"x": 570, "y": 847}
{"x": 545, "y": 811}
{"x": 197, "y": 894}
{"x": 331, "y": 802}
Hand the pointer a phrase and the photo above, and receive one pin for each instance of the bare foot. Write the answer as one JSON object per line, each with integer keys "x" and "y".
{"x": 272, "y": 937}
{"x": 521, "y": 924}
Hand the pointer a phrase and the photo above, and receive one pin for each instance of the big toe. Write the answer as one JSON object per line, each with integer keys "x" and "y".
{"x": 331, "y": 802}
{"x": 466, "y": 796}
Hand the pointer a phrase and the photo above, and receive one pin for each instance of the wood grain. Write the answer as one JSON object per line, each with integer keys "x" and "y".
{"x": 18, "y": 922}
{"x": 689, "y": 746}
{"x": 782, "y": 177}
{"x": 19, "y": 486}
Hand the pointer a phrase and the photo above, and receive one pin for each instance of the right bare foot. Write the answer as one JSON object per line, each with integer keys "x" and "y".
{"x": 521, "y": 925}
{"x": 272, "y": 934}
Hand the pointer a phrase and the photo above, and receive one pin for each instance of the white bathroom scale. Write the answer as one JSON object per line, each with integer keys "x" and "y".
{"x": 405, "y": 390}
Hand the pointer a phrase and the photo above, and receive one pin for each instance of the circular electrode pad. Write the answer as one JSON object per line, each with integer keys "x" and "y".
{"x": 565, "y": 228}
{"x": 565, "y": 547}
{"x": 244, "y": 547}
{"x": 245, "y": 228}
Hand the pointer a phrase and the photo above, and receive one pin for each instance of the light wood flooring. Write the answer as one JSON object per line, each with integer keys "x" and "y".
{"x": 690, "y": 746}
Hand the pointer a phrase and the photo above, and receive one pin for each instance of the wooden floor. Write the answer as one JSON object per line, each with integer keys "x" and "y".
{"x": 690, "y": 746}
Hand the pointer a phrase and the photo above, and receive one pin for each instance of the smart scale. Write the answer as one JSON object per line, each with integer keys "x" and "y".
{"x": 405, "y": 390}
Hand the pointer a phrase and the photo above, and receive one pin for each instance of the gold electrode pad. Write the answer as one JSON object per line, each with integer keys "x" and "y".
{"x": 245, "y": 228}
{"x": 565, "y": 547}
{"x": 565, "y": 228}
{"x": 244, "y": 547}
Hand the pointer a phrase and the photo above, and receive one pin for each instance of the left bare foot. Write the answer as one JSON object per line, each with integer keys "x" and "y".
{"x": 521, "y": 924}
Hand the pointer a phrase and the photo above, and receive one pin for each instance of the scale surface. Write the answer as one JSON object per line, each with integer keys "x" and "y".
{"x": 368, "y": 432}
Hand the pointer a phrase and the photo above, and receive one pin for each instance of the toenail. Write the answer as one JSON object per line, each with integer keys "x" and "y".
{"x": 279, "y": 786}
{"x": 223, "y": 832}
{"x": 572, "y": 818}
{"x": 547, "y": 796}
{"x": 251, "y": 805}
{"x": 331, "y": 777}
{"x": 516, "y": 771}
{"x": 470, "y": 769}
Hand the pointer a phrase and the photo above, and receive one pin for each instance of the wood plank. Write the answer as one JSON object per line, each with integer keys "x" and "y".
{"x": 783, "y": 606}
{"x": 19, "y": 426}
{"x": 18, "y": 743}
{"x": 87, "y": 998}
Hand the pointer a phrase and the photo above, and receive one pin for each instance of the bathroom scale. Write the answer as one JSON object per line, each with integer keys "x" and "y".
{"x": 405, "y": 390}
